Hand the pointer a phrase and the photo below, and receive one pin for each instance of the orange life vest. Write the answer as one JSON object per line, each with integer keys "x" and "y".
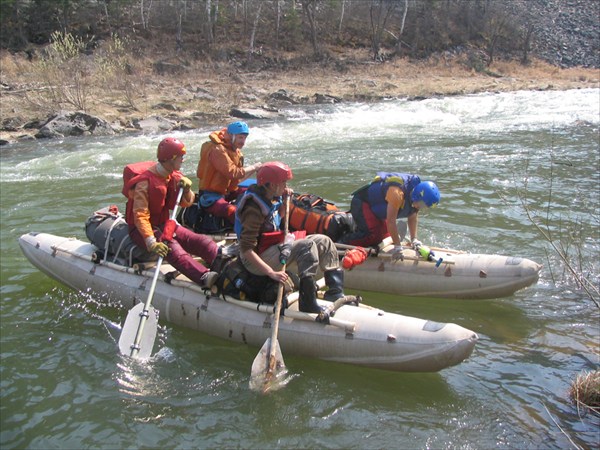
{"x": 311, "y": 213}
{"x": 211, "y": 179}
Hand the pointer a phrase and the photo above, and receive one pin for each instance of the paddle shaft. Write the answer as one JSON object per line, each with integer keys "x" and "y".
{"x": 135, "y": 348}
{"x": 272, "y": 361}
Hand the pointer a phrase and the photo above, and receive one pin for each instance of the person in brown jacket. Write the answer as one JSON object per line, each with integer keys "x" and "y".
{"x": 263, "y": 249}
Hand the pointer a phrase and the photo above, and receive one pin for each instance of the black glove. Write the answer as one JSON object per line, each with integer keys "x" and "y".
{"x": 284, "y": 252}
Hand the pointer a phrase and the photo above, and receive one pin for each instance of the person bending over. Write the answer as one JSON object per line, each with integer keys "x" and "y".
{"x": 390, "y": 196}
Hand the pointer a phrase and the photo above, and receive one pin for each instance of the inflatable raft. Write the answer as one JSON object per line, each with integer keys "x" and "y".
{"x": 359, "y": 335}
{"x": 459, "y": 274}
{"x": 450, "y": 274}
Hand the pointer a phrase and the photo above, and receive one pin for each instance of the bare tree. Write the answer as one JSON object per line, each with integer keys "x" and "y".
{"x": 343, "y": 9}
{"x": 402, "y": 23}
{"x": 253, "y": 33}
{"x": 379, "y": 12}
{"x": 208, "y": 25}
{"x": 527, "y": 43}
{"x": 181, "y": 5}
{"x": 310, "y": 8}
{"x": 145, "y": 13}
{"x": 565, "y": 240}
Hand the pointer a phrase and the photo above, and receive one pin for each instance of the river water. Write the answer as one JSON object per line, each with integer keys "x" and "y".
{"x": 65, "y": 385}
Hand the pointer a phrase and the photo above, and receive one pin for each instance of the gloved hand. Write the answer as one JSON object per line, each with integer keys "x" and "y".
{"x": 160, "y": 249}
{"x": 185, "y": 183}
{"x": 397, "y": 253}
{"x": 285, "y": 250}
{"x": 416, "y": 243}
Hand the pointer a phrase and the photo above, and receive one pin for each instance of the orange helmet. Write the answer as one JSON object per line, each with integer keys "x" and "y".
{"x": 273, "y": 172}
{"x": 170, "y": 148}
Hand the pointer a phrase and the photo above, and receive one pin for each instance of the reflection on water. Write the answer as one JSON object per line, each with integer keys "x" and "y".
{"x": 64, "y": 383}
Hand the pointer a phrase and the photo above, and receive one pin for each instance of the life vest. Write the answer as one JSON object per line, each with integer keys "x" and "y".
{"x": 377, "y": 190}
{"x": 162, "y": 194}
{"x": 311, "y": 213}
{"x": 211, "y": 179}
{"x": 270, "y": 230}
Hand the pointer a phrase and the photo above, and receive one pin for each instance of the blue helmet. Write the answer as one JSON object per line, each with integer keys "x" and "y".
{"x": 238, "y": 128}
{"x": 426, "y": 191}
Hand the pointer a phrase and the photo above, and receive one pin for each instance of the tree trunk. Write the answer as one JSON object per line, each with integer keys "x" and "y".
{"x": 341, "y": 18}
{"x": 309, "y": 7}
{"x": 277, "y": 23}
{"x": 527, "y": 44}
{"x": 399, "y": 42}
{"x": 208, "y": 28}
{"x": 379, "y": 12}
{"x": 253, "y": 33}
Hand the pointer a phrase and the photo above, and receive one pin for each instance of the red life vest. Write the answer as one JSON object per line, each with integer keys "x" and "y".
{"x": 162, "y": 194}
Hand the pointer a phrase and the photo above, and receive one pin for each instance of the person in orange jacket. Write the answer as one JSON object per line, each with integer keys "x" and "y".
{"x": 221, "y": 168}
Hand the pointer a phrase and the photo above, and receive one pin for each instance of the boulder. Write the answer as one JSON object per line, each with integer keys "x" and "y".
{"x": 322, "y": 99}
{"x": 74, "y": 124}
{"x": 253, "y": 113}
{"x": 154, "y": 124}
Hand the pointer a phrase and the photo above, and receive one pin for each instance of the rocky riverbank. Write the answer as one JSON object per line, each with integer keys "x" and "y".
{"x": 172, "y": 93}
{"x": 194, "y": 98}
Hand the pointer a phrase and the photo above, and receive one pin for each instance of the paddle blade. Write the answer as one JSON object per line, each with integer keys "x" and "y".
{"x": 147, "y": 325}
{"x": 261, "y": 378}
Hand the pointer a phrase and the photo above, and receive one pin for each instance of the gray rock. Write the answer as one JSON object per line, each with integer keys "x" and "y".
{"x": 154, "y": 124}
{"x": 322, "y": 99}
{"x": 74, "y": 124}
{"x": 167, "y": 106}
{"x": 253, "y": 113}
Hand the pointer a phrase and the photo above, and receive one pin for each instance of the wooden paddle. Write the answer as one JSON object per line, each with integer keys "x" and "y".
{"x": 268, "y": 363}
{"x": 140, "y": 317}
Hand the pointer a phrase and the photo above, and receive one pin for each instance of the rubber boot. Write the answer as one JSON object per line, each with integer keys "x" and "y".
{"x": 334, "y": 279}
{"x": 308, "y": 296}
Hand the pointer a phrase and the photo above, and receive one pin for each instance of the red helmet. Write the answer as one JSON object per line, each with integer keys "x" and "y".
{"x": 273, "y": 172}
{"x": 170, "y": 148}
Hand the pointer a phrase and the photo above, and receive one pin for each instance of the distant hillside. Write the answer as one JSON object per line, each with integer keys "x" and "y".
{"x": 563, "y": 32}
{"x": 566, "y": 32}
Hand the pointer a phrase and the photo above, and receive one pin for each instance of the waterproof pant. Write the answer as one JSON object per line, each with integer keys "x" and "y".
{"x": 185, "y": 243}
{"x": 308, "y": 255}
{"x": 223, "y": 206}
{"x": 370, "y": 229}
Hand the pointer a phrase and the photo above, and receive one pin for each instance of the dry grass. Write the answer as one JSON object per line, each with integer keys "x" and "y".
{"x": 125, "y": 96}
{"x": 585, "y": 391}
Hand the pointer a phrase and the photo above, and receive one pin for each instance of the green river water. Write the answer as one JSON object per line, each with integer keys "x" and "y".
{"x": 65, "y": 385}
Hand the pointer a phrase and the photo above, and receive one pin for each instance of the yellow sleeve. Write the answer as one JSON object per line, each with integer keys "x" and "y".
{"x": 395, "y": 197}
{"x": 141, "y": 212}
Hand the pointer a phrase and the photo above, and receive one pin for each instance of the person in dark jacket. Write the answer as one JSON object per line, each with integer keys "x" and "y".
{"x": 390, "y": 196}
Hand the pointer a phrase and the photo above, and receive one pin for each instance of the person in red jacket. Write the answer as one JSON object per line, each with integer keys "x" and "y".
{"x": 151, "y": 195}
{"x": 221, "y": 168}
